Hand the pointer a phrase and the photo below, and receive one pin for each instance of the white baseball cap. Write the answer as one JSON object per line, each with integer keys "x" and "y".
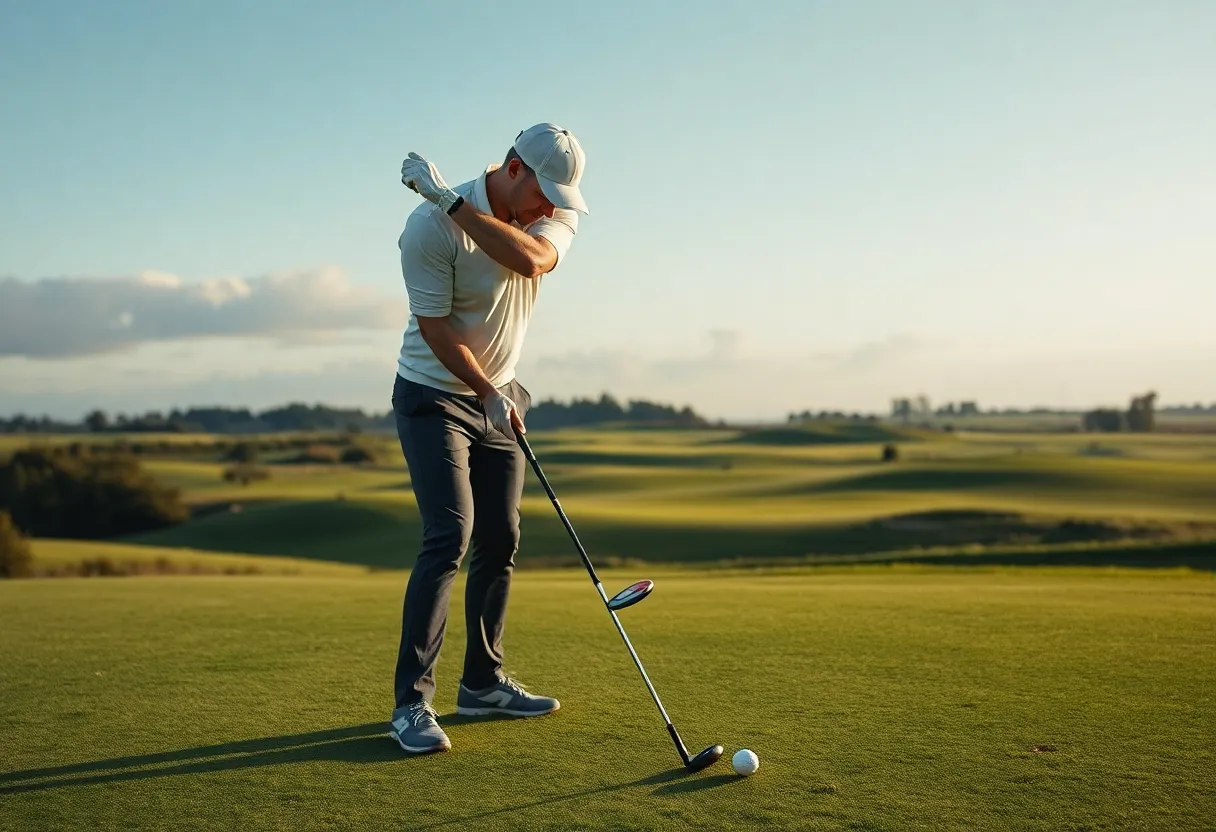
{"x": 558, "y": 160}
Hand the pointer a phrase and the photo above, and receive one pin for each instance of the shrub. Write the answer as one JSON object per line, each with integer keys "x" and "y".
{"x": 16, "y": 560}
{"x": 322, "y": 454}
{"x": 245, "y": 473}
{"x": 1104, "y": 419}
{"x": 890, "y": 453}
{"x": 242, "y": 452}
{"x": 94, "y": 495}
{"x": 357, "y": 454}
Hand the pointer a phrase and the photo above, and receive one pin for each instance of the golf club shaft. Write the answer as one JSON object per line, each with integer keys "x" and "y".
{"x": 671, "y": 729}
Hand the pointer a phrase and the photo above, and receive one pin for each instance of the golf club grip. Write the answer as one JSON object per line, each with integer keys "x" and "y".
{"x": 540, "y": 475}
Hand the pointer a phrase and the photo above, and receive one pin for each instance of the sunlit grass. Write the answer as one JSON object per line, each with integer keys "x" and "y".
{"x": 897, "y": 699}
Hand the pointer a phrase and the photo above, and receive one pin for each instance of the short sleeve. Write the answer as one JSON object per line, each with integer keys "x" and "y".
{"x": 558, "y": 229}
{"x": 428, "y": 258}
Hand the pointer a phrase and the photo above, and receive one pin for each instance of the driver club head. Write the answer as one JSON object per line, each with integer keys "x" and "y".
{"x": 706, "y": 758}
{"x": 630, "y": 595}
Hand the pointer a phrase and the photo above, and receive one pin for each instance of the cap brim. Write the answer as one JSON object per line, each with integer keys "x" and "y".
{"x": 563, "y": 196}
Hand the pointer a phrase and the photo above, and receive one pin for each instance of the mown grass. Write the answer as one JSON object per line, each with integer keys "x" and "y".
{"x": 963, "y": 696}
{"x": 699, "y": 496}
{"x": 745, "y": 496}
{"x": 877, "y": 699}
{"x": 67, "y": 558}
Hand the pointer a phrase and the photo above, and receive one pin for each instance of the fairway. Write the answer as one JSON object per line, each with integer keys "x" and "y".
{"x": 817, "y": 494}
{"x": 877, "y": 698}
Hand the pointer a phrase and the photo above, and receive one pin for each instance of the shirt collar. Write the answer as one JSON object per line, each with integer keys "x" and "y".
{"x": 481, "y": 197}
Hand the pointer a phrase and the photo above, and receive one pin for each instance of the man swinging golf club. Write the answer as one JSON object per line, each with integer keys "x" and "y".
{"x": 473, "y": 258}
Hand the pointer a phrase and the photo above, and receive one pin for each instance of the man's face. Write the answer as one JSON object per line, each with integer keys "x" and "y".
{"x": 528, "y": 202}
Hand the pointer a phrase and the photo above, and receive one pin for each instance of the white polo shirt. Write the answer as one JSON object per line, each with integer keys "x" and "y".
{"x": 446, "y": 274}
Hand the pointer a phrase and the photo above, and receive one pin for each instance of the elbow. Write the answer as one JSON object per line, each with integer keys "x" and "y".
{"x": 538, "y": 265}
{"x": 524, "y": 264}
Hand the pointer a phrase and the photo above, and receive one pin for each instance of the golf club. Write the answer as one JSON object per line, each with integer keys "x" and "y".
{"x": 627, "y": 597}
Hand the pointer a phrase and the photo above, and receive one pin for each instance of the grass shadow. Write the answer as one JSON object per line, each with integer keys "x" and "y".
{"x": 356, "y": 743}
{"x": 1199, "y": 555}
{"x": 344, "y": 531}
{"x": 948, "y": 479}
{"x": 454, "y": 719}
{"x": 663, "y": 777}
{"x": 699, "y": 784}
{"x": 824, "y": 433}
{"x": 633, "y": 459}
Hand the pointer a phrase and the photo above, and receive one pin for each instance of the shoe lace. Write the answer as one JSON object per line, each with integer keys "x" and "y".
{"x": 421, "y": 711}
{"x": 514, "y": 684}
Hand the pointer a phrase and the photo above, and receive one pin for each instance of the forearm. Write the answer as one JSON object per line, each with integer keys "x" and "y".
{"x": 452, "y": 351}
{"x": 504, "y": 243}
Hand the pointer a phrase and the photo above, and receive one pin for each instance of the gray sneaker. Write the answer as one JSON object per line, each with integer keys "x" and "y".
{"x": 416, "y": 730}
{"x": 507, "y": 696}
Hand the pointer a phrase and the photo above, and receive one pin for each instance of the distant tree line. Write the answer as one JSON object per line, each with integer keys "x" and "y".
{"x": 291, "y": 417}
{"x": 828, "y": 415}
{"x": 1138, "y": 418}
{"x": 1196, "y": 409}
{"x": 21, "y": 423}
{"x": 551, "y": 413}
{"x": 919, "y": 408}
{"x": 906, "y": 409}
{"x": 298, "y": 417}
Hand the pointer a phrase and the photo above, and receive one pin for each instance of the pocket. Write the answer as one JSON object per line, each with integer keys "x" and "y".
{"x": 409, "y": 399}
{"x": 522, "y": 398}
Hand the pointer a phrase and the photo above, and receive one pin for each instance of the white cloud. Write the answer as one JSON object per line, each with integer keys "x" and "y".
{"x": 73, "y": 317}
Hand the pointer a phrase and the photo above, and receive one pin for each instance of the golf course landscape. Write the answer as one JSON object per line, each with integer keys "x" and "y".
{"x": 810, "y": 408}
{"x": 990, "y": 631}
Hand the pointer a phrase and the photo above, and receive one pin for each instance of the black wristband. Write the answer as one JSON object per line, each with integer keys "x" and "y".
{"x": 459, "y": 201}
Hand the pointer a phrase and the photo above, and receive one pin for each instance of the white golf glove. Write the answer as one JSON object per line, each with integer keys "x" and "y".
{"x": 500, "y": 409}
{"x": 422, "y": 176}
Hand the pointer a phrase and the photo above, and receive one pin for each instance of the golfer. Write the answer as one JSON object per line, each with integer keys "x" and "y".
{"x": 473, "y": 258}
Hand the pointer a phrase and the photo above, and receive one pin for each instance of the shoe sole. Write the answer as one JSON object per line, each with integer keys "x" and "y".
{"x": 443, "y": 746}
{"x": 465, "y": 711}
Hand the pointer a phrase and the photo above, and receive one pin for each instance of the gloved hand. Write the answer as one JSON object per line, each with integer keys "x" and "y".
{"x": 422, "y": 176}
{"x": 503, "y": 414}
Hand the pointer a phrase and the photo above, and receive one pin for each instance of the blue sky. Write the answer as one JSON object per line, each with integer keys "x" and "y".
{"x": 794, "y": 205}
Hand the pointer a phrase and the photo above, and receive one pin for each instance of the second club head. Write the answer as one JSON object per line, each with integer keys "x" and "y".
{"x": 630, "y": 595}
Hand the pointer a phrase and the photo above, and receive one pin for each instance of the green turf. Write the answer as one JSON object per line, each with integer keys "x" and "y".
{"x": 877, "y": 699}
{"x": 825, "y": 433}
{"x": 702, "y": 496}
{"x": 59, "y": 558}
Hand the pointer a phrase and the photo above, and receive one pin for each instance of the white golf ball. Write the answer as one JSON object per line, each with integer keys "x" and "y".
{"x": 745, "y": 762}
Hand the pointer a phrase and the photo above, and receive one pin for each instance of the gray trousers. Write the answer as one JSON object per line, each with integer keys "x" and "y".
{"x": 468, "y": 479}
